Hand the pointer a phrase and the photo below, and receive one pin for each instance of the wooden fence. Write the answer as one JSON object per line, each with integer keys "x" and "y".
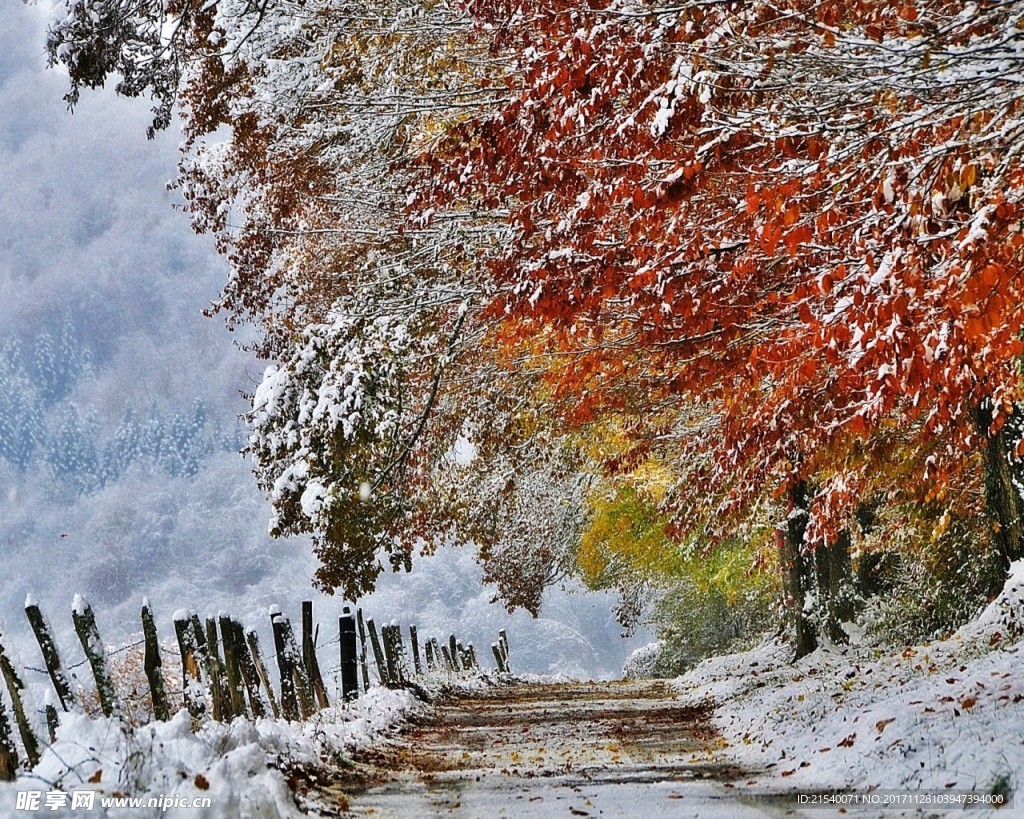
{"x": 223, "y": 671}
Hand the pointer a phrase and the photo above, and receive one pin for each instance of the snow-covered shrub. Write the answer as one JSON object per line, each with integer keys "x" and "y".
{"x": 935, "y": 592}
{"x": 696, "y": 621}
{"x": 641, "y": 664}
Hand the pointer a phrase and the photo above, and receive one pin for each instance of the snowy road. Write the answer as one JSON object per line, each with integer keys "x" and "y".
{"x": 590, "y": 749}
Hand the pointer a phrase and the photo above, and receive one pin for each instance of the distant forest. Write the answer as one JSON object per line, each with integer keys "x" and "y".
{"x": 42, "y": 428}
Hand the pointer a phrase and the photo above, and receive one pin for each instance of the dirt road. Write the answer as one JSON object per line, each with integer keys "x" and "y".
{"x": 579, "y": 749}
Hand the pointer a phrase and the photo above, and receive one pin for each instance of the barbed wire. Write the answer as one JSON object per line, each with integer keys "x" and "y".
{"x": 134, "y": 696}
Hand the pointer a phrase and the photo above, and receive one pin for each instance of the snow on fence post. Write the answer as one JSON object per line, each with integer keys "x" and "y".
{"x": 153, "y": 665}
{"x": 428, "y": 651}
{"x": 498, "y": 658}
{"x": 453, "y": 652}
{"x": 285, "y": 664}
{"x": 347, "y": 650}
{"x": 8, "y": 752}
{"x": 413, "y": 638}
{"x": 250, "y": 676}
{"x": 232, "y": 673}
{"x": 362, "y": 649}
{"x": 309, "y": 660}
{"x": 14, "y": 687}
{"x": 191, "y": 680}
{"x": 463, "y": 656}
{"x": 253, "y": 641}
{"x": 378, "y": 656}
{"x": 51, "y": 656}
{"x": 89, "y": 635}
{"x": 471, "y": 654}
{"x": 215, "y": 674}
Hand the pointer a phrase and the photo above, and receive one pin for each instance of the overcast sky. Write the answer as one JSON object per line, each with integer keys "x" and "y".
{"x": 87, "y": 230}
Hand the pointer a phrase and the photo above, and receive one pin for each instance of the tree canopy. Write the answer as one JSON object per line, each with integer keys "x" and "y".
{"x": 511, "y": 259}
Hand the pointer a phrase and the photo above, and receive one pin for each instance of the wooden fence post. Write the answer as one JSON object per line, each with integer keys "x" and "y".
{"x": 285, "y": 664}
{"x": 51, "y": 656}
{"x": 471, "y": 654}
{"x": 498, "y": 659}
{"x": 387, "y": 636}
{"x": 503, "y": 640}
{"x": 215, "y": 671}
{"x": 8, "y": 751}
{"x": 428, "y": 650}
{"x": 153, "y": 665}
{"x": 414, "y": 639}
{"x": 14, "y": 687}
{"x": 202, "y": 652}
{"x": 362, "y": 649}
{"x": 85, "y": 626}
{"x": 253, "y": 641}
{"x": 378, "y": 655}
{"x": 247, "y": 667}
{"x": 449, "y": 661}
{"x": 302, "y": 684}
{"x": 453, "y": 651}
{"x": 309, "y": 659}
{"x": 52, "y": 720}
{"x": 191, "y": 679}
{"x": 388, "y": 675}
{"x": 296, "y": 701}
{"x": 347, "y": 650}
{"x": 232, "y": 673}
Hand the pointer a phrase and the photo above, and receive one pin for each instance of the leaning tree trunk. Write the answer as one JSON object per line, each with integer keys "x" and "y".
{"x": 1004, "y": 502}
{"x": 797, "y": 574}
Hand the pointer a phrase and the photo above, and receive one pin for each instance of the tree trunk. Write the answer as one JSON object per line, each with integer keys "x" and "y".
{"x": 796, "y": 570}
{"x": 835, "y": 592}
{"x": 1004, "y": 502}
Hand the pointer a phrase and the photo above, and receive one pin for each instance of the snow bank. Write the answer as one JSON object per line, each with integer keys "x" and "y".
{"x": 943, "y": 715}
{"x": 237, "y": 765}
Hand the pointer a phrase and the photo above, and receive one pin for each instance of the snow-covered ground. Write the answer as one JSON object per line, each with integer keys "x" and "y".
{"x": 237, "y": 765}
{"x": 947, "y": 715}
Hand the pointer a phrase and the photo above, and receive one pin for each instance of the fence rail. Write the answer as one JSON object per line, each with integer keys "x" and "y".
{"x": 223, "y": 672}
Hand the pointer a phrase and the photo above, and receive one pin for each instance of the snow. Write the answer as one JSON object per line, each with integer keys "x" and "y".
{"x": 237, "y": 764}
{"x": 943, "y": 715}
{"x": 30, "y": 601}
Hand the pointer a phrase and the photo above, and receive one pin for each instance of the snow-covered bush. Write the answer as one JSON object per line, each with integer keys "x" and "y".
{"x": 641, "y": 664}
{"x": 696, "y": 621}
{"x": 932, "y": 594}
